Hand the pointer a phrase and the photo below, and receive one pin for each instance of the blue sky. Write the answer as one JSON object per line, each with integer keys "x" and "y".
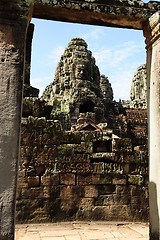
{"x": 118, "y": 52}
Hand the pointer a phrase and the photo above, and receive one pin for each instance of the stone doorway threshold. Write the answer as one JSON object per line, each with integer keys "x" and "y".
{"x": 78, "y": 230}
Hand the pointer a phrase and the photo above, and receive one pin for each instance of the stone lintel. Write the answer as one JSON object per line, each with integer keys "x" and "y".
{"x": 115, "y": 13}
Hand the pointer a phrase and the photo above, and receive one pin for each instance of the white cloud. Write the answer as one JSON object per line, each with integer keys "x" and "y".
{"x": 114, "y": 57}
{"x": 123, "y": 53}
{"x": 121, "y": 84}
{"x": 93, "y": 35}
{"x": 103, "y": 56}
{"x": 56, "y": 54}
{"x": 41, "y": 83}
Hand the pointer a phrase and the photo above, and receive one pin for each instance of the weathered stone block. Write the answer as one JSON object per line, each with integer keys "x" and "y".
{"x": 67, "y": 179}
{"x": 101, "y": 179}
{"x": 122, "y": 189}
{"x": 121, "y": 199}
{"x": 31, "y": 171}
{"x": 135, "y": 200}
{"x": 109, "y": 213}
{"x": 84, "y": 179}
{"x": 71, "y": 191}
{"x": 72, "y": 137}
{"x": 141, "y": 156}
{"x": 55, "y": 192}
{"x": 106, "y": 189}
{"x": 33, "y": 210}
{"x": 113, "y": 167}
{"x": 134, "y": 190}
{"x": 46, "y": 192}
{"x": 68, "y": 149}
{"x": 22, "y": 183}
{"x": 90, "y": 191}
{"x": 91, "y": 136}
{"x": 50, "y": 180}
{"x": 86, "y": 203}
{"x": 40, "y": 169}
{"x": 69, "y": 207}
{"x": 46, "y": 180}
{"x": 119, "y": 180}
{"x": 65, "y": 192}
{"x": 32, "y": 193}
{"x": 33, "y": 181}
{"x": 102, "y": 155}
{"x": 108, "y": 167}
{"x": 123, "y": 144}
{"x": 138, "y": 168}
{"x": 98, "y": 167}
{"x": 105, "y": 200}
{"x": 126, "y": 168}
{"x": 135, "y": 179}
{"x": 112, "y": 199}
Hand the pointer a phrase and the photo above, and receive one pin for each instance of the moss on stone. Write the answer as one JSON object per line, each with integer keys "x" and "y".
{"x": 136, "y": 179}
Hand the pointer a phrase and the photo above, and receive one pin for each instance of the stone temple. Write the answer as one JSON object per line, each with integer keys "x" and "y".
{"x": 78, "y": 87}
{"x": 83, "y": 155}
{"x": 138, "y": 93}
{"x": 77, "y": 174}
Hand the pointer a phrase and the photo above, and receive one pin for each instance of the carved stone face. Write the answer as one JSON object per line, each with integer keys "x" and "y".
{"x": 80, "y": 71}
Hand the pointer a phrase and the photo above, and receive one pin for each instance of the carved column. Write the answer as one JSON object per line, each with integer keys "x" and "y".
{"x": 12, "y": 42}
{"x": 152, "y": 34}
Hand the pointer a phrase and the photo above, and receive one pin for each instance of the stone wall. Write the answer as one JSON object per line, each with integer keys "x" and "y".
{"x": 79, "y": 175}
{"x": 131, "y": 123}
{"x": 84, "y": 175}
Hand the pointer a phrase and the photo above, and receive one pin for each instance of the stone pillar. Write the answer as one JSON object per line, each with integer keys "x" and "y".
{"x": 152, "y": 34}
{"x": 12, "y": 40}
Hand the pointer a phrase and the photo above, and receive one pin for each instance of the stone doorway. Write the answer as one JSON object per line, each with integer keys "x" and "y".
{"x": 37, "y": 180}
{"x": 86, "y": 107}
{"x": 13, "y": 36}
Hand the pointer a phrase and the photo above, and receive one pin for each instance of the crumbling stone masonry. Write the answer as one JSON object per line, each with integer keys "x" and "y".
{"x": 80, "y": 175}
{"x": 14, "y": 18}
{"x": 90, "y": 157}
{"x": 84, "y": 159}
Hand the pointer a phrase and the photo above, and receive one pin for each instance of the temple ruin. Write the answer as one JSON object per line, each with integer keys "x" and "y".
{"x": 78, "y": 86}
{"x": 95, "y": 168}
{"x": 138, "y": 91}
{"x": 14, "y": 21}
